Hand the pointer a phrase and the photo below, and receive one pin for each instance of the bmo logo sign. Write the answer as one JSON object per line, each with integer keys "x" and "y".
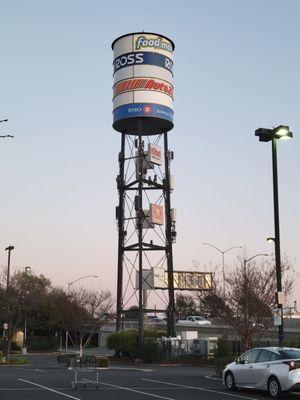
{"x": 128, "y": 59}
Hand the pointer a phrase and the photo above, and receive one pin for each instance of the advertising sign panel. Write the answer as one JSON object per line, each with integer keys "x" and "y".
{"x": 154, "y": 154}
{"x": 157, "y": 214}
{"x": 157, "y": 278}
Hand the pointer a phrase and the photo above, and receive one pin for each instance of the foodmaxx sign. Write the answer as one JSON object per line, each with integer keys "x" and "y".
{"x": 153, "y": 42}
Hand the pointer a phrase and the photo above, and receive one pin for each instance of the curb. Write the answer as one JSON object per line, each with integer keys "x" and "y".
{"x": 212, "y": 378}
{"x": 16, "y": 365}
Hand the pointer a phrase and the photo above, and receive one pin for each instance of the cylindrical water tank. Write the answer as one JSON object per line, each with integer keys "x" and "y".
{"x": 143, "y": 83}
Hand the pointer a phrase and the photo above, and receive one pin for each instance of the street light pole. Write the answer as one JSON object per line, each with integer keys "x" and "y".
{"x": 9, "y": 249}
{"x": 266, "y": 135}
{"x": 277, "y": 239}
{"x": 223, "y": 252}
{"x": 69, "y": 285}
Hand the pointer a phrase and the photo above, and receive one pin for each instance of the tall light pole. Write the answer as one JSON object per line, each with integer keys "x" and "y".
{"x": 267, "y": 135}
{"x": 246, "y": 289}
{"x": 9, "y": 249}
{"x": 223, "y": 252}
{"x": 69, "y": 285}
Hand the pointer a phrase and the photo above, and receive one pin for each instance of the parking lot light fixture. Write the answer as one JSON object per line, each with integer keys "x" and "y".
{"x": 267, "y": 135}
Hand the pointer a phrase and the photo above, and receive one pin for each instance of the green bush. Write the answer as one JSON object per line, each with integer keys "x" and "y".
{"x": 154, "y": 333}
{"x": 65, "y": 359}
{"x": 43, "y": 343}
{"x": 18, "y": 360}
{"x": 3, "y": 345}
{"x": 102, "y": 362}
{"x": 151, "y": 351}
{"x": 125, "y": 343}
{"x": 223, "y": 355}
{"x": 223, "y": 349}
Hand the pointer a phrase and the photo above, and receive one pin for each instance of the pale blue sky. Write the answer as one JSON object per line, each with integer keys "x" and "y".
{"x": 236, "y": 68}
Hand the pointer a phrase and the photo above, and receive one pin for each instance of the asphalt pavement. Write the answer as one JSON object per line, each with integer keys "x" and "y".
{"x": 45, "y": 380}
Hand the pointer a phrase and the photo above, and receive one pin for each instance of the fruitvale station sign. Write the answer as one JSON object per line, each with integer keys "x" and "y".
{"x": 157, "y": 278}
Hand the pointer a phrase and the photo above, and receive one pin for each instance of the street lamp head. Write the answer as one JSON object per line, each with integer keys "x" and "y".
{"x": 9, "y": 248}
{"x": 280, "y": 132}
{"x": 265, "y": 135}
{"x": 271, "y": 239}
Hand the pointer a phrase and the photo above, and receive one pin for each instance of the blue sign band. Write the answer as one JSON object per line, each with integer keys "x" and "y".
{"x": 143, "y": 110}
{"x": 143, "y": 58}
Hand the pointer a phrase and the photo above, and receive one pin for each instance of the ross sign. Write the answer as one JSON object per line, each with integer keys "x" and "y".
{"x": 143, "y": 58}
{"x": 156, "y": 214}
{"x": 154, "y": 154}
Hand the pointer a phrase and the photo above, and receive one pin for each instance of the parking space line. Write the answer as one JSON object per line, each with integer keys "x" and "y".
{"x": 134, "y": 390}
{"x": 50, "y": 390}
{"x": 199, "y": 388}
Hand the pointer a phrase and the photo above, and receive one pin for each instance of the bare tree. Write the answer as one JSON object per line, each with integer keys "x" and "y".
{"x": 249, "y": 301}
{"x": 82, "y": 313}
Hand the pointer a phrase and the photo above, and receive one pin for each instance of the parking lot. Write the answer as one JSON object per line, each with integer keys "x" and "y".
{"x": 45, "y": 380}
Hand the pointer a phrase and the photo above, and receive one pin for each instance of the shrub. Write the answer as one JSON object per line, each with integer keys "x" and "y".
{"x": 151, "y": 351}
{"x": 3, "y": 345}
{"x": 65, "y": 359}
{"x": 43, "y": 343}
{"x": 102, "y": 362}
{"x": 18, "y": 360}
{"x": 223, "y": 349}
{"x": 154, "y": 333}
{"x": 223, "y": 355}
{"x": 125, "y": 343}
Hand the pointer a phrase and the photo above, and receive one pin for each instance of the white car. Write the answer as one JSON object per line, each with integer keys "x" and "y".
{"x": 274, "y": 369}
{"x": 194, "y": 320}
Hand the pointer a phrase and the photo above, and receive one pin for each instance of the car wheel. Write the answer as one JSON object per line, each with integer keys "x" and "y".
{"x": 229, "y": 381}
{"x": 274, "y": 388}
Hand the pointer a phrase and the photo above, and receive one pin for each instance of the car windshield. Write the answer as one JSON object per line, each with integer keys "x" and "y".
{"x": 290, "y": 353}
{"x": 199, "y": 318}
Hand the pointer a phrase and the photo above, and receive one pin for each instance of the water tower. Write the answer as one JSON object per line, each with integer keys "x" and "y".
{"x": 143, "y": 114}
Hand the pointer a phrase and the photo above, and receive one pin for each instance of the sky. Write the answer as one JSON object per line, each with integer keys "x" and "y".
{"x": 236, "y": 68}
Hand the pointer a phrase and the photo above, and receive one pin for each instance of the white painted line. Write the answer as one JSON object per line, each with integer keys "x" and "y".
{"x": 50, "y": 390}
{"x": 202, "y": 389}
{"x": 133, "y": 390}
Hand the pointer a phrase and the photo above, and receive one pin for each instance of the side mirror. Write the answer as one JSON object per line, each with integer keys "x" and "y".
{"x": 237, "y": 360}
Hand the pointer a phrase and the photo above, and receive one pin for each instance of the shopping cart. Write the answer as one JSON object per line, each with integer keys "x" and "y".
{"x": 85, "y": 372}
